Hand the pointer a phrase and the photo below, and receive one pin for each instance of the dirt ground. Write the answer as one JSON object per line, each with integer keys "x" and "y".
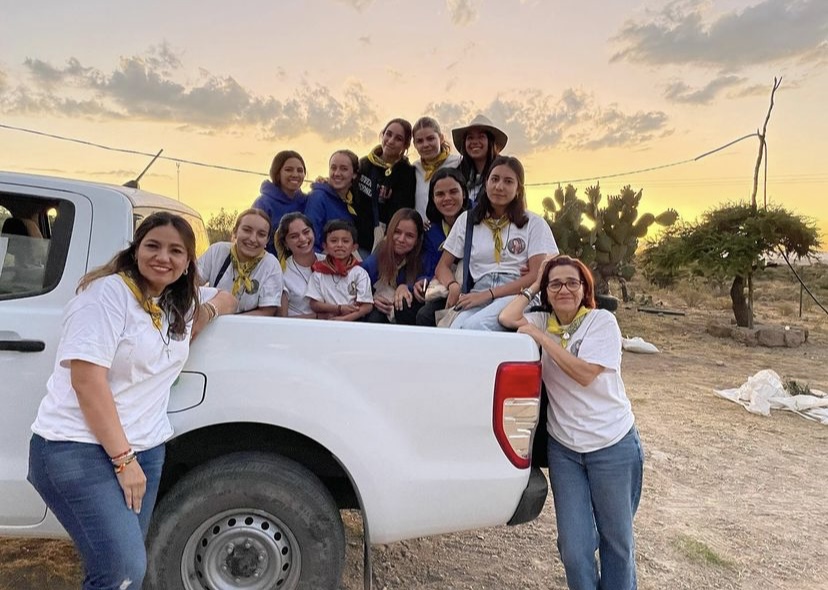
{"x": 731, "y": 500}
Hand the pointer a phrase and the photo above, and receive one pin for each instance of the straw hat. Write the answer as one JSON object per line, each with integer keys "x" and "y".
{"x": 482, "y": 122}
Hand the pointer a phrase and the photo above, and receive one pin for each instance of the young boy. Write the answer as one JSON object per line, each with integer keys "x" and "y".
{"x": 339, "y": 287}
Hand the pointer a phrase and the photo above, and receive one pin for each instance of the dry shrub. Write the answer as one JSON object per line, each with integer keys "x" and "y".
{"x": 693, "y": 293}
{"x": 787, "y": 309}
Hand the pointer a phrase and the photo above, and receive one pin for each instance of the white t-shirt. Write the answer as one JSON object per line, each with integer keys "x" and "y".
{"x": 421, "y": 192}
{"x": 597, "y": 416}
{"x": 519, "y": 245}
{"x": 105, "y": 325}
{"x": 296, "y": 278}
{"x": 267, "y": 277}
{"x": 354, "y": 288}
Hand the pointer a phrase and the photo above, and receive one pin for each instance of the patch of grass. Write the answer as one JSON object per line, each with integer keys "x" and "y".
{"x": 700, "y": 552}
{"x": 787, "y": 309}
{"x": 693, "y": 293}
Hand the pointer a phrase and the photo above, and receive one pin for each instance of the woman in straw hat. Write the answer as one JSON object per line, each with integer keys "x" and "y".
{"x": 479, "y": 143}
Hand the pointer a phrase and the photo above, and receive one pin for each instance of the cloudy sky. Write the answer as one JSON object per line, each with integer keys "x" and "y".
{"x": 586, "y": 89}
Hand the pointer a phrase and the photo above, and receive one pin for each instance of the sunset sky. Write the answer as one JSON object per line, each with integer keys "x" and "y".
{"x": 584, "y": 89}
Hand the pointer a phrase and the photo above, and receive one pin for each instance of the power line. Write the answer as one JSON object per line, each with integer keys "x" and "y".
{"x": 650, "y": 169}
{"x": 817, "y": 177}
{"x": 128, "y": 151}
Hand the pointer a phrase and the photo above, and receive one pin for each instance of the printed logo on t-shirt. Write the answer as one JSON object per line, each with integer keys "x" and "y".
{"x": 575, "y": 347}
{"x": 516, "y": 245}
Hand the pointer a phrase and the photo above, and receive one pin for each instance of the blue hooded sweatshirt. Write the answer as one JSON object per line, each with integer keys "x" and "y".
{"x": 276, "y": 204}
{"x": 324, "y": 205}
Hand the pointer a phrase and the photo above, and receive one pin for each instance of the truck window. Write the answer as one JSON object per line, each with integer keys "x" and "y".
{"x": 34, "y": 241}
{"x": 202, "y": 240}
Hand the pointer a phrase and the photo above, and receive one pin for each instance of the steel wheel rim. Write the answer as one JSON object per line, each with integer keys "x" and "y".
{"x": 241, "y": 549}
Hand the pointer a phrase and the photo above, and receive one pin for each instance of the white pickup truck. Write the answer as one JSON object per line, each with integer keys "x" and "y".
{"x": 279, "y": 422}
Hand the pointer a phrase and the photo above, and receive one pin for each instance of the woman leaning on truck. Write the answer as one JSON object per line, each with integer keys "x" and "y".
{"x": 98, "y": 445}
{"x": 595, "y": 455}
{"x": 242, "y": 267}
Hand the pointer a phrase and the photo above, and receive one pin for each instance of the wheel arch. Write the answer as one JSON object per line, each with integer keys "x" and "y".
{"x": 196, "y": 447}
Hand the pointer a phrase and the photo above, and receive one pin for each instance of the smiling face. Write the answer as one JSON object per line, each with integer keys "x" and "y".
{"x": 448, "y": 197}
{"x": 250, "y": 237}
{"x": 404, "y": 238}
{"x": 341, "y": 172}
{"x": 477, "y": 144}
{"x": 393, "y": 142}
{"x": 427, "y": 142}
{"x": 339, "y": 243}
{"x": 161, "y": 257}
{"x": 502, "y": 187}
{"x": 299, "y": 238}
{"x": 564, "y": 301}
{"x": 291, "y": 175}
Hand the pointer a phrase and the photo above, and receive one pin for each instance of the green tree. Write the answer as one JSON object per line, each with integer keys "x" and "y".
{"x": 731, "y": 242}
{"x": 604, "y": 238}
{"x": 220, "y": 225}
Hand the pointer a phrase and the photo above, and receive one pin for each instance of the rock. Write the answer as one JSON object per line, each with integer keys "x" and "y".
{"x": 795, "y": 337}
{"x": 745, "y": 336}
{"x": 771, "y": 337}
{"x": 719, "y": 330}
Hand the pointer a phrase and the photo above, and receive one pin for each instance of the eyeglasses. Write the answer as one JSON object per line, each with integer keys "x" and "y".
{"x": 571, "y": 285}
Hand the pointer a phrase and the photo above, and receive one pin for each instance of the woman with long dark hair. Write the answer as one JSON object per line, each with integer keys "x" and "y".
{"x": 595, "y": 456}
{"x": 294, "y": 241}
{"x": 505, "y": 238}
{"x": 448, "y": 197}
{"x": 396, "y": 270}
{"x": 98, "y": 445}
{"x": 386, "y": 184}
{"x": 479, "y": 143}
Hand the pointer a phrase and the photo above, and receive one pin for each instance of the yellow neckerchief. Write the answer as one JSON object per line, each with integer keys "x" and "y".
{"x": 243, "y": 270}
{"x": 446, "y": 232}
{"x": 146, "y": 303}
{"x": 566, "y": 332}
{"x": 347, "y": 199}
{"x": 376, "y": 159}
{"x": 431, "y": 167}
{"x": 349, "y": 202}
{"x": 496, "y": 225}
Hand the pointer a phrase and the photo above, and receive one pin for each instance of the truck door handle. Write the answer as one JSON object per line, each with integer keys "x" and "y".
{"x": 23, "y": 345}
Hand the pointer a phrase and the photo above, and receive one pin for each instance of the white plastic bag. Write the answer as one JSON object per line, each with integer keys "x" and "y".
{"x": 638, "y": 344}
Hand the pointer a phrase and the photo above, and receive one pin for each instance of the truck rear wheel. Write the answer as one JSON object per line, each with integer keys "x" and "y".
{"x": 246, "y": 520}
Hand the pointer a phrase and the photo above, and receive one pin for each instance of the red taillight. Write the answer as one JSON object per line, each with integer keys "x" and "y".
{"x": 516, "y": 407}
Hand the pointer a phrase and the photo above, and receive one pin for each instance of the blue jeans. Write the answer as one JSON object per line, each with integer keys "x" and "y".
{"x": 485, "y": 317}
{"x": 78, "y": 484}
{"x": 596, "y": 496}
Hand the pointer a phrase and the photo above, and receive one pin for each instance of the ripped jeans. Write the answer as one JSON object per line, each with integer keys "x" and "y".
{"x": 78, "y": 484}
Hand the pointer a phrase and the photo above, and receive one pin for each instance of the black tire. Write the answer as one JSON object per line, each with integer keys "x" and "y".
{"x": 247, "y": 520}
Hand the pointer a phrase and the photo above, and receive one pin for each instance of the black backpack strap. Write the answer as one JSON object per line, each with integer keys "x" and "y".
{"x": 467, "y": 245}
{"x": 222, "y": 270}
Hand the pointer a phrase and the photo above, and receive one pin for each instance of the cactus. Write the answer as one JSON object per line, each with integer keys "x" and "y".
{"x": 609, "y": 242}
